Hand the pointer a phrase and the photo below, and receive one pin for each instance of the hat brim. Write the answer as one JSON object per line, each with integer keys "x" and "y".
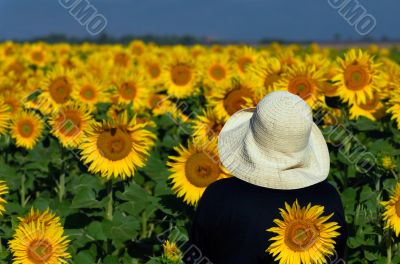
{"x": 240, "y": 156}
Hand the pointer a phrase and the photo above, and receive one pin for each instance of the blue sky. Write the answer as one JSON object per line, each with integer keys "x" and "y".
{"x": 221, "y": 19}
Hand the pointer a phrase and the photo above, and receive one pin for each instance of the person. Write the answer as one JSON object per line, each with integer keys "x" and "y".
{"x": 279, "y": 161}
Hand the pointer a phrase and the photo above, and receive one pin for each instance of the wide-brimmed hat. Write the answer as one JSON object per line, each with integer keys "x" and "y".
{"x": 275, "y": 145}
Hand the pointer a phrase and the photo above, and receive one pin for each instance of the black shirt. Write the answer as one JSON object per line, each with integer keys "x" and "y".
{"x": 232, "y": 217}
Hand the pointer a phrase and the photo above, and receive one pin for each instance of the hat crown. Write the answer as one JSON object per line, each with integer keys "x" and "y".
{"x": 283, "y": 120}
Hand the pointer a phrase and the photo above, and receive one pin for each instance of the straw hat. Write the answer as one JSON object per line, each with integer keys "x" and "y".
{"x": 275, "y": 145}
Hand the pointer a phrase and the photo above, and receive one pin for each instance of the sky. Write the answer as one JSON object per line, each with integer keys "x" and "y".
{"x": 243, "y": 20}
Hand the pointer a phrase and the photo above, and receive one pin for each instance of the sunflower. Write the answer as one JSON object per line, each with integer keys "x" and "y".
{"x": 90, "y": 91}
{"x": 303, "y": 235}
{"x": 160, "y": 105}
{"x": 194, "y": 169}
{"x": 3, "y": 191}
{"x": 131, "y": 87}
{"x": 392, "y": 211}
{"x": 69, "y": 123}
{"x": 266, "y": 73}
{"x": 304, "y": 81}
{"x": 358, "y": 77}
{"x": 58, "y": 87}
{"x": 4, "y": 117}
{"x": 137, "y": 47}
{"x": 153, "y": 67}
{"x": 328, "y": 88}
{"x": 217, "y": 70}
{"x": 207, "y": 125}
{"x": 172, "y": 254}
{"x": 116, "y": 148}
{"x": 231, "y": 98}
{"x": 26, "y": 129}
{"x": 37, "y": 55}
{"x": 36, "y": 241}
{"x": 245, "y": 57}
{"x": 180, "y": 75}
{"x": 371, "y": 109}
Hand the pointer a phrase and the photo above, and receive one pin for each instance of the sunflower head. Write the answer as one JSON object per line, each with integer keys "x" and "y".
{"x": 391, "y": 214}
{"x": 116, "y": 148}
{"x": 358, "y": 76}
{"x": 171, "y": 252}
{"x": 4, "y": 117}
{"x": 194, "y": 169}
{"x": 37, "y": 241}
{"x": 26, "y": 129}
{"x": 303, "y": 235}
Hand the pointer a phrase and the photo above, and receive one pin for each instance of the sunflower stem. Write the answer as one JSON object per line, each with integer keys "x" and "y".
{"x": 389, "y": 249}
{"x": 22, "y": 191}
{"x": 109, "y": 208}
{"x": 61, "y": 182}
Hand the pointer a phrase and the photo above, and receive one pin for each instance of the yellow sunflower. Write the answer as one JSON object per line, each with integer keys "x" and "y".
{"x": 207, "y": 125}
{"x": 266, "y": 73}
{"x": 137, "y": 48}
{"x": 328, "y": 88}
{"x": 131, "y": 87}
{"x": 392, "y": 211}
{"x": 90, "y": 91}
{"x": 180, "y": 76}
{"x": 4, "y": 117}
{"x": 116, "y": 148}
{"x": 160, "y": 105}
{"x": 172, "y": 253}
{"x": 358, "y": 77}
{"x": 69, "y": 123}
{"x": 245, "y": 57}
{"x": 26, "y": 129}
{"x": 153, "y": 67}
{"x": 217, "y": 70}
{"x": 231, "y": 98}
{"x": 303, "y": 235}
{"x": 58, "y": 87}
{"x": 3, "y": 191}
{"x": 372, "y": 108}
{"x": 37, "y": 55}
{"x": 304, "y": 81}
{"x": 194, "y": 169}
{"x": 38, "y": 242}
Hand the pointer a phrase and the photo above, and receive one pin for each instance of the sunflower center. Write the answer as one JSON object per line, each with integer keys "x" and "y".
{"x": 243, "y": 62}
{"x": 88, "y": 92}
{"x": 356, "y": 77}
{"x": 37, "y": 56}
{"x": 16, "y": 67}
{"x": 181, "y": 74}
{"x": 25, "y": 128}
{"x": 114, "y": 144}
{"x": 234, "y": 100}
{"x": 154, "y": 71}
{"x": 70, "y": 123}
{"x": 201, "y": 170}
{"x": 397, "y": 206}
{"x": 128, "y": 90}
{"x": 40, "y": 251}
{"x": 301, "y": 86}
{"x": 137, "y": 50}
{"x": 217, "y": 72}
{"x": 301, "y": 235}
{"x": 121, "y": 59}
{"x": 60, "y": 90}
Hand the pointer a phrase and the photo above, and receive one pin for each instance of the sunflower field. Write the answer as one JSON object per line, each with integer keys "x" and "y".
{"x": 106, "y": 149}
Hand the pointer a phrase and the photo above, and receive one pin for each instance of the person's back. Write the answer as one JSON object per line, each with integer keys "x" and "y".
{"x": 233, "y": 215}
{"x": 278, "y": 206}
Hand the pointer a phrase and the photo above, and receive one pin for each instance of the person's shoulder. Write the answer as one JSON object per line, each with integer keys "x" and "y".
{"x": 221, "y": 188}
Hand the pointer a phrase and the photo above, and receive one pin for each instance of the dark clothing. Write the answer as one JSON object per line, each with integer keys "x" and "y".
{"x": 233, "y": 215}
